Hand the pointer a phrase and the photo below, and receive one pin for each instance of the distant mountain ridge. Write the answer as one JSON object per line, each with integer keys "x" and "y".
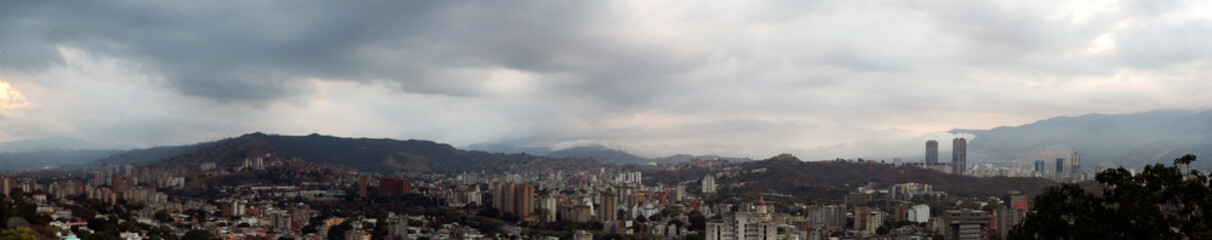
{"x": 53, "y": 152}
{"x": 600, "y": 153}
{"x": 149, "y": 155}
{"x": 596, "y": 152}
{"x": 362, "y": 154}
{"x": 56, "y": 143}
{"x": 50, "y": 158}
{"x": 1130, "y": 140}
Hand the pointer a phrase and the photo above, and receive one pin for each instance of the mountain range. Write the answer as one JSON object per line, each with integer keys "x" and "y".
{"x": 362, "y": 154}
{"x": 44, "y": 159}
{"x": 596, "y": 152}
{"x": 57, "y": 143}
{"x": 53, "y": 152}
{"x": 1128, "y": 140}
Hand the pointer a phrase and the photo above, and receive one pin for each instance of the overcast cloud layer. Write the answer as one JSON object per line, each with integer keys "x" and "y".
{"x": 821, "y": 79}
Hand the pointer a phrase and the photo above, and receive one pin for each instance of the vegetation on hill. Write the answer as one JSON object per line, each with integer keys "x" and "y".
{"x": 1162, "y": 202}
{"x": 836, "y": 178}
{"x": 362, "y": 154}
{"x": 21, "y": 218}
{"x": 833, "y": 179}
{"x": 149, "y": 155}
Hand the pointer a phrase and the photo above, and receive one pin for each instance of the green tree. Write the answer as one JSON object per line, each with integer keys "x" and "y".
{"x": 99, "y": 235}
{"x": 20, "y": 233}
{"x": 163, "y": 217}
{"x": 162, "y": 232}
{"x": 198, "y": 235}
{"x": 656, "y": 217}
{"x": 677, "y": 222}
{"x": 510, "y": 217}
{"x": 697, "y": 221}
{"x": 493, "y": 212}
{"x": 671, "y": 211}
{"x": 611, "y": 236}
{"x": 338, "y": 232}
{"x": 1159, "y": 203}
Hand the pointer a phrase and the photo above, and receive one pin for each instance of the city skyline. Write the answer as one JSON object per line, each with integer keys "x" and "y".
{"x": 650, "y": 119}
{"x": 754, "y": 79}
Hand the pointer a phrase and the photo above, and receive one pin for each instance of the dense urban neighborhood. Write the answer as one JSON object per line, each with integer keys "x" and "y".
{"x": 252, "y": 187}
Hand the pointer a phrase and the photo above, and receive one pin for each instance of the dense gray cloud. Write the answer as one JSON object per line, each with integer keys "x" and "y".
{"x": 821, "y": 79}
{"x": 257, "y": 52}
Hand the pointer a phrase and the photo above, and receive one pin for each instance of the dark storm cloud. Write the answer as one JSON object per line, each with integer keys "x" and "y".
{"x": 758, "y": 77}
{"x": 255, "y": 51}
{"x": 227, "y": 52}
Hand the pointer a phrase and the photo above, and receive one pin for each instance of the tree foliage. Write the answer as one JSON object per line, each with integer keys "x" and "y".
{"x": 21, "y": 233}
{"x": 338, "y": 232}
{"x": 199, "y": 235}
{"x": 697, "y": 221}
{"x": 657, "y": 217}
{"x": 1162, "y": 202}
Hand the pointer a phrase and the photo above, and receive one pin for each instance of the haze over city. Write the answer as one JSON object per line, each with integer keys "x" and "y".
{"x": 749, "y": 79}
{"x": 605, "y": 120}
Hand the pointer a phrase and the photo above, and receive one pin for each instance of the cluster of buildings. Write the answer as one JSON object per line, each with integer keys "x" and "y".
{"x": 620, "y": 199}
{"x": 1067, "y": 169}
{"x": 959, "y": 157}
{"x": 142, "y": 196}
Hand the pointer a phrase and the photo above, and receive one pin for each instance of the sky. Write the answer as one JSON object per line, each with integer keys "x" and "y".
{"x": 819, "y": 79}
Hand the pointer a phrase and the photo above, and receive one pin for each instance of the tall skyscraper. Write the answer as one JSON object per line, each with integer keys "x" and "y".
{"x": 548, "y": 204}
{"x": 959, "y": 156}
{"x": 1060, "y": 167}
{"x": 1039, "y": 167}
{"x": 525, "y": 200}
{"x": 931, "y": 152}
{"x": 498, "y": 195}
{"x": 1075, "y": 165}
{"x": 362, "y": 186}
{"x": 708, "y": 184}
{"x": 609, "y": 209}
{"x": 511, "y": 197}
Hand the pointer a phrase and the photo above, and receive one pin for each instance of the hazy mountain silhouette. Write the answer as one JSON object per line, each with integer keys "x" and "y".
{"x": 600, "y": 153}
{"x": 50, "y": 158}
{"x": 833, "y": 179}
{"x": 149, "y": 155}
{"x": 53, "y": 152}
{"x": 507, "y": 148}
{"x": 687, "y": 157}
{"x": 363, "y": 154}
{"x": 1129, "y": 140}
{"x": 596, "y": 152}
{"x": 56, "y": 143}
